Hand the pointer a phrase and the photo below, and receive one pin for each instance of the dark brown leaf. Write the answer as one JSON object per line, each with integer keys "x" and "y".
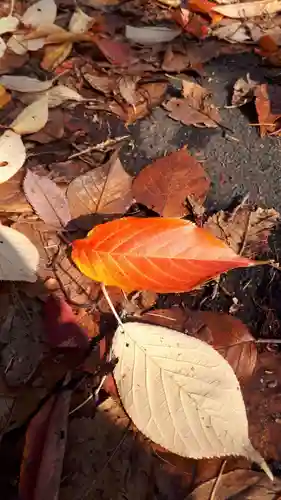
{"x": 53, "y": 130}
{"x": 164, "y": 185}
{"x": 104, "y": 192}
{"x": 47, "y": 199}
{"x": 245, "y": 230}
{"x": 12, "y": 198}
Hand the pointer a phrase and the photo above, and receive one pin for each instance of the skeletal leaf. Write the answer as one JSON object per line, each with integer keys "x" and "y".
{"x": 8, "y": 24}
{"x": 33, "y": 118}
{"x": 19, "y": 258}
{"x": 42, "y": 12}
{"x": 24, "y": 83}
{"x": 12, "y": 155}
{"x": 181, "y": 393}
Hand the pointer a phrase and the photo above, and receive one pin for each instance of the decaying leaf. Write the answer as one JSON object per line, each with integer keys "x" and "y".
{"x": 118, "y": 53}
{"x": 12, "y": 155}
{"x": 40, "y": 13}
{"x": 19, "y": 257}
{"x": 149, "y": 95}
{"x": 100, "y": 81}
{"x": 158, "y": 254}
{"x": 196, "y": 108}
{"x": 102, "y": 192}
{"x": 232, "y": 31}
{"x": 74, "y": 285}
{"x": 44, "y": 449}
{"x": 54, "y": 55}
{"x": 246, "y": 484}
{"x": 128, "y": 89}
{"x": 165, "y": 185}
{"x": 228, "y": 335}
{"x": 47, "y": 200}
{"x": 149, "y": 35}
{"x": 33, "y": 118}
{"x": 246, "y": 229}
{"x": 24, "y": 83}
{"x": 11, "y": 195}
{"x": 190, "y": 401}
{"x": 243, "y": 91}
{"x": 80, "y": 22}
{"x": 268, "y": 109}
{"x": 248, "y": 9}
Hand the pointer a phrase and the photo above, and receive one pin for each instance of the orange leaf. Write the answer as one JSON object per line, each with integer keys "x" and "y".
{"x": 55, "y": 55}
{"x": 205, "y": 7}
{"x": 163, "y": 255}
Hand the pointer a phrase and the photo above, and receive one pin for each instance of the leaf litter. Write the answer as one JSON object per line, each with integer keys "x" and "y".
{"x": 89, "y": 70}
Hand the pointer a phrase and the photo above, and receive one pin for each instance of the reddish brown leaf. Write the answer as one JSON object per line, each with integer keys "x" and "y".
{"x": 164, "y": 185}
{"x": 205, "y": 7}
{"x": 163, "y": 255}
{"x": 268, "y": 118}
{"x": 116, "y": 52}
{"x": 149, "y": 95}
{"x": 44, "y": 449}
{"x": 53, "y": 130}
{"x": 224, "y": 332}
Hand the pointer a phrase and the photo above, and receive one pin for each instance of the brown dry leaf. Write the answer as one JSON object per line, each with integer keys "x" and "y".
{"x": 268, "y": 109}
{"x": 47, "y": 200}
{"x": 102, "y": 192}
{"x": 226, "y": 334}
{"x": 5, "y": 97}
{"x": 239, "y": 484}
{"x": 196, "y": 108}
{"x": 11, "y": 61}
{"x": 149, "y": 95}
{"x": 100, "y": 81}
{"x": 243, "y": 91}
{"x": 248, "y": 9}
{"x": 245, "y": 230}
{"x": 165, "y": 185}
{"x": 75, "y": 286}
{"x": 128, "y": 89}
{"x": 12, "y": 198}
{"x": 53, "y": 130}
{"x": 54, "y": 55}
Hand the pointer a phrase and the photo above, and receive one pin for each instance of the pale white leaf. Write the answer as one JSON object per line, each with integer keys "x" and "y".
{"x": 33, "y": 118}
{"x": 19, "y": 258}
{"x": 234, "y": 32}
{"x": 24, "y": 83}
{"x": 20, "y": 46}
{"x": 60, "y": 94}
{"x": 149, "y": 35}
{"x": 80, "y": 22}
{"x": 42, "y": 12}
{"x": 180, "y": 392}
{"x": 2, "y": 47}
{"x": 249, "y": 9}
{"x": 12, "y": 155}
{"x": 8, "y": 24}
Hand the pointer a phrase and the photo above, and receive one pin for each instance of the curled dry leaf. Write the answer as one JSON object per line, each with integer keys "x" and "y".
{"x": 162, "y": 255}
{"x": 248, "y": 9}
{"x": 165, "y": 185}
{"x": 8, "y": 24}
{"x": 149, "y": 35}
{"x": 190, "y": 400}
{"x": 104, "y": 192}
{"x": 47, "y": 200}
{"x": 24, "y": 83}
{"x": 54, "y": 55}
{"x": 228, "y": 335}
{"x": 33, "y": 118}
{"x": 246, "y": 484}
{"x": 246, "y": 229}
{"x": 268, "y": 109}
{"x": 243, "y": 91}
{"x": 40, "y": 13}
{"x": 128, "y": 88}
{"x": 19, "y": 257}
{"x": 80, "y": 22}
{"x": 12, "y": 155}
{"x": 149, "y": 95}
{"x": 196, "y": 108}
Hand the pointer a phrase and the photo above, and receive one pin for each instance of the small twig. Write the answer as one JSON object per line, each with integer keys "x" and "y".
{"x": 115, "y": 313}
{"x": 12, "y": 6}
{"x": 89, "y": 398}
{"x": 268, "y": 341}
{"x": 217, "y": 481}
{"x": 100, "y": 147}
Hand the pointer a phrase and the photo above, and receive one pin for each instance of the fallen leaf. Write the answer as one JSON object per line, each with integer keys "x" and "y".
{"x": 194, "y": 110}
{"x": 149, "y": 35}
{"x": 3, "y": 47}
{"x": 5, "y": 97}
{"x": 233, "y": 32}
{"x": 33, "y": 118}
{"x": 47, "y": 200}
{"x": 205, "y": 7}
{"x": 197, "y": 27}
{"x": 54, "y": 55}
{"x": 19, "y": 257}
{"x": 268, "y": 118}
{"x": 228, "y": 335}
{"x": 8, "y": 24}
{"x": 246, "y": 484}
{"x": 243, "y": 91}
{"x": 118, "y": 53}
{"x": 12, "y": 155}
{"x": 40, "y": 13}
{"x": 150, "y": 95}
{"x": 61, "y": 93}
{"x": 101, "y": 81}
{"x": 11, "y": 195}
{"x": 190, "y": 400}
{"x": 11, "y": 61}
{"x": 80, "y": 22}
{"x": 53, "y": 130}
{"x": 248, "y": 9}
{"x": 165, "y": 185}
{"x": 171, "y": 3}
{"x": 128, "y": 89}
{"x": 20, "y": 45}
{"x": 102, "y": 192}
{"x": 43, "y": 454}
{"x": 74, "y": 285}
{"x": 245, "y": 230}
{"x": 24, "y": 83}
{"x": 162, "y": 255}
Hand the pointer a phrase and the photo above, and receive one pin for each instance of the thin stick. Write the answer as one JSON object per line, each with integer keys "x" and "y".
{"x": 89, "y": 398}
{"x": 12, "y": 6}
{"x": 216, "y": 484}
{"x": 268, "y": 341}
{"x": 108, "y": 299}
{"x": 99, "y": 147}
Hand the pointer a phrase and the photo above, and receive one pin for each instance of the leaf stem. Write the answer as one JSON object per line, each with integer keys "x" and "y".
{"x": 109, "y": 301}
{"x": 216, "y": 483}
